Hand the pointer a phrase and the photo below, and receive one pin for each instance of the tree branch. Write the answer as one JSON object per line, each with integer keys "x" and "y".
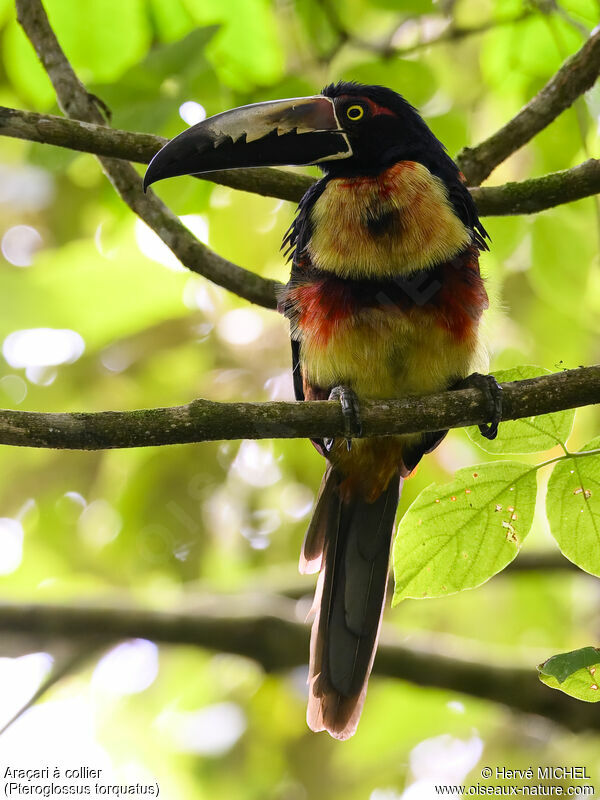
{"x": 538, "y": 194}
{"x": 204, "y": 420}
{"x": 268, "y": 631}
{"x": 140, "y": 147}
{"x": 525, "y": 197}
{"x": 76, "y": 102}
{"x": 576, "y": 76}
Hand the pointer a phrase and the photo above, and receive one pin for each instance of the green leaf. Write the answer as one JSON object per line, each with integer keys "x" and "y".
{"x": 573, "y": 508}
{"x": 573, "y": 673}
{"x": 101, "y": 38}
{"x": 248, "y": 48}
{"x": 562, "y": 258}
{"x": 587, "y": 10}
{"x": 5, "y": 8}
{"x": 172, "y": 21}
{"x": 397, "y": 72}
{"x": 457, "y": 536}
{"x": 149, "y": 94}
{"x": 23, "y": 69}
{"x": 407, "y": 6}
{"x": 59, "y": 287}
{"x": 531, "y": 434}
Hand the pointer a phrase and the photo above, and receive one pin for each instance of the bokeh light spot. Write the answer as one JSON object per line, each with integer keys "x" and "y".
{"x": 23, "y": 675}
{"x": 255, "y": 464}
{"x": 42, "y": 347}
{"x": 20, "y": 244}
{"x": 128, "y": 668}
{"x": 192, "y": 112}
{"x": 152, "y": 246}
{"x": 212, "y": 731}
{"x": 25, "y": 187}
{"x": 240, "y": 326}
{"x": 99, "y": 523}
{"x": 297, "y": 500}
{"x": 13, "y": 387}
{"x": 11, "y": 545}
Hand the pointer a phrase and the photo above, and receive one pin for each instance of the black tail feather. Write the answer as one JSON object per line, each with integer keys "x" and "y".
{"x": 355, "y": 538}
{"x": 324, "y": 518}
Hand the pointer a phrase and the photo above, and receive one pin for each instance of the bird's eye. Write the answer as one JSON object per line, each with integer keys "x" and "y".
{"x": 355, "y": 112}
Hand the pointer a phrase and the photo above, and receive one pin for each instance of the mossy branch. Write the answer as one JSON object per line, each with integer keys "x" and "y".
{"x": 203, "y": 420}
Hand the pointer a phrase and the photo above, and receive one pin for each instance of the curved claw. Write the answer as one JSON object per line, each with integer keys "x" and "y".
{"x": 493, "y": 390}
{"x": 350, "y": 410}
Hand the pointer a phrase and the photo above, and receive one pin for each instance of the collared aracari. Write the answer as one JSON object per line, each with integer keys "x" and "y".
{"x": 384, "y": 301}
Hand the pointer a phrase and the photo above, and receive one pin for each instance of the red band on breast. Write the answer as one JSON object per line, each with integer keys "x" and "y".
{"x": 322, "y": 305}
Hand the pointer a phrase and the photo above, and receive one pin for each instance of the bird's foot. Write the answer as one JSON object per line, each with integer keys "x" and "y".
{"x": 490, "y": 386}
{"x": 350, "y": 411}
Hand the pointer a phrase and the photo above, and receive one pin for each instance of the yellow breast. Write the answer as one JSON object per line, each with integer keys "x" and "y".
{"x": 389, "y": 224}
{"x": 382, "y": 355}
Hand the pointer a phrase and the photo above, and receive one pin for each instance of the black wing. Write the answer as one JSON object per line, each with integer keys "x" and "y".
{"x": 297, "y": 371}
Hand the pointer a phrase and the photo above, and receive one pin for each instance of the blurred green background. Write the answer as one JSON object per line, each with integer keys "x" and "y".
{"x": 131, "y": 328}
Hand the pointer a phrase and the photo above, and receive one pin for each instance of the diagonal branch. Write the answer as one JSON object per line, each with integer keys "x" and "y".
{"x": 203, "y": 420}
{"x": 77, "y": 103}
{"x": 576, "y": 76}
{"x": 525, "y": 197}
{"x": 268, "y": 631}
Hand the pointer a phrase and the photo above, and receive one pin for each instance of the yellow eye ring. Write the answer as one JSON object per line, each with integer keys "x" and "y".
{"x": 355, "y": 113}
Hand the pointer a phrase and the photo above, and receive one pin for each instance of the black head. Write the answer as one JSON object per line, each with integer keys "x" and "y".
{"x": 382, "y": 128}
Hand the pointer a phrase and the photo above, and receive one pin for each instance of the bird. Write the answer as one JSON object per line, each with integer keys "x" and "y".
{"x": 385, "y": 300}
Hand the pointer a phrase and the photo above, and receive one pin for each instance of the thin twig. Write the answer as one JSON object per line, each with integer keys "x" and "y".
{"x": 386, "y": 48}
{"x": 454, "y": 33}
{"x": 576, "y": 76}
{"x": 204, "y": 420}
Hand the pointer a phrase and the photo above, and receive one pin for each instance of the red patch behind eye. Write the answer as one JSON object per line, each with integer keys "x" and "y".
{"x": 377, "y": 109}
{"x": 374, "y": 107}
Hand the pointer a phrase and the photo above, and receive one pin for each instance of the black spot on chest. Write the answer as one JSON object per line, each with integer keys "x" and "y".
{"x": 380, "y": 222}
